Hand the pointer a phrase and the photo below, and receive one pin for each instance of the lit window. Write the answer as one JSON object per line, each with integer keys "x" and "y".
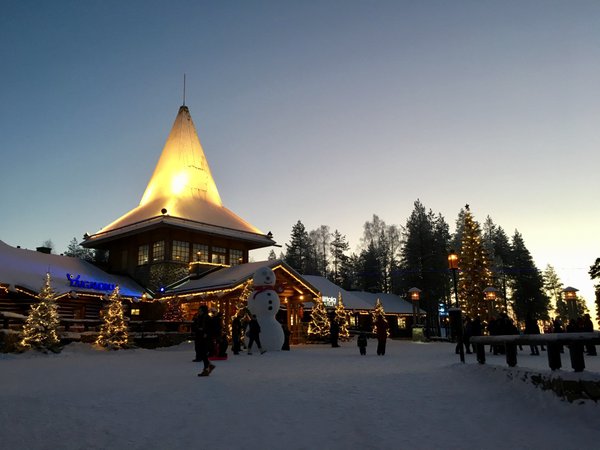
{"x": 143, "y": 254}
{"x": 200, "y": 252}
{"x": 218, "y": 255}
{"x": 158, "y": 251}
{"x": 235, "y": 257}
{"x": 135, "y": 311}
{"x": 181, "y": 251}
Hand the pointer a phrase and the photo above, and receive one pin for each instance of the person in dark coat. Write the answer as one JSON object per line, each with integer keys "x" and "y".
{"x": 381, "y": 332}
{"x": 202, "y": 339}
{"x": 588, "y": 327}
{"x": 286, "y": 337}
{"x": 334, "y": 331}
{"x": 361, "y": 342}
{"x": 236, "y": 332}
{"x": 254, "y": 335}
{"x": 532, "y": 327}
{"x": 468, "y": 332}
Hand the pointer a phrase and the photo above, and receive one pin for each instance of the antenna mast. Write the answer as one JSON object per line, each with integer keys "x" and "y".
{"x": 184, "y": 89}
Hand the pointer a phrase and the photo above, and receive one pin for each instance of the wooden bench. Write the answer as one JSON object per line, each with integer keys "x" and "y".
{"x": 553, "y": 342}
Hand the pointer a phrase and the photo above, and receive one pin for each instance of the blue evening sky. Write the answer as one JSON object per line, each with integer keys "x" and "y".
{"x": 322, "y": 111}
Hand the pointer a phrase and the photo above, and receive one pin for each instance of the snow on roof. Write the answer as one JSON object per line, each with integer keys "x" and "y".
{"x": 182, "y": 186}
{"x": 391, "y": 303}
{"x": 229, "y": 277}
{"x": 28, "y": 268}
{"x": 330, "y": 289}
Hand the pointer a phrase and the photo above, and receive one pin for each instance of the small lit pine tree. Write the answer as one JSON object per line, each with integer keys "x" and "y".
{"x": 242, "y": 311}
{"x": 113, "y": 332}
{"x": 343, "y": 318}
{"x": 173, "y": 311}
{"x": 40, "y": 331}
{"x": 319, "y": 326}
{"x": 378, "y": 312}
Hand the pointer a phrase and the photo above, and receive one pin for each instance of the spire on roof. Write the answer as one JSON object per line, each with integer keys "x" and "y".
{"x": 181, "y": 187}
{"x": 182, "y": 172}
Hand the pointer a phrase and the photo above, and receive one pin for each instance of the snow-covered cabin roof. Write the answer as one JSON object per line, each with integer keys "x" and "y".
{"x": 231, "y": 277}
{"x": 391, "y": 303}
{"x": 182, "y": 193}
{"x": 27, "y": 269}
{"x": 329, "y": 289}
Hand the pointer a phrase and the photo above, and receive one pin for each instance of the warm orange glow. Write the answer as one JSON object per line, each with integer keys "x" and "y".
{"x": 182, "y": 169}
{"x": 570, "y": 293}
{"x": 179, "y": 183}
{"x": 453, "y": 261}
{"x": 490, "y": 293}
{"x": 415, "y": 294}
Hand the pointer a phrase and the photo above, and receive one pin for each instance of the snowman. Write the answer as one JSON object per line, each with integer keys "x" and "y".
{"x": 264, "y": 304}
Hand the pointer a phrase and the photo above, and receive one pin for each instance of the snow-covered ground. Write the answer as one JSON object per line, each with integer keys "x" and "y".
{"x": 417, "y": 396}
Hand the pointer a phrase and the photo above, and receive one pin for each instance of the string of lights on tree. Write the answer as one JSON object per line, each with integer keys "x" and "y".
{"x": 319, "y": 326}
{"x": 40, "y": 331}
{"x": 474, "y": 275}
{"x": 343, "y": 318}
{"x": 174, "y": 311}
{"x": 113, "y": 331}
{"x": 378, "y": 312}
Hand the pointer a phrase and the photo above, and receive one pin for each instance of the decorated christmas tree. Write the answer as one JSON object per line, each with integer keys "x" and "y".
{"x": 343, "y": 318}
{"x": 242, "y": 312}
{"x": 113, "y": 332}
{"x": 174, "y": 312}
{"x": 378, "y": 312}
{"x": 474, "y": 275}
{"x": 40, "y": 331}
{"x": 318, "y": 328}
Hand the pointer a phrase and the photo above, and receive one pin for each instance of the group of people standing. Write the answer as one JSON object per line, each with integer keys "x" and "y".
{"x": 210, "y": 342}
{"x": 504, "y": 325}
{"x": 381, "y": 333}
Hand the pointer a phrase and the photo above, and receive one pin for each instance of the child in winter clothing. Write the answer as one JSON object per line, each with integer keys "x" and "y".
{"x": 362, "y": 343}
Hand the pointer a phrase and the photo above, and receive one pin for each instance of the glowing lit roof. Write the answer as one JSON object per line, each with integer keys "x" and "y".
{"x": 181, "y": 187}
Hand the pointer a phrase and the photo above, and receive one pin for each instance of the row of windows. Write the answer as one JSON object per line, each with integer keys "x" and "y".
{"x": 180, "y": 251}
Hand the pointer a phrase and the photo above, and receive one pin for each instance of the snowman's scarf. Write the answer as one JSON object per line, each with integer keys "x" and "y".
{"x": 263, "y": 288}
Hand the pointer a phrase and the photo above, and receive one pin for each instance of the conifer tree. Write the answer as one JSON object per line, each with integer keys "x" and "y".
{"x": 338, "y": 247}
{"x": 242, "y": 312}
{"x": 371, "y": 271}
{"x": 77, "y": 251}
{"x": 377, "y": 312}
{"x": 300, "y": 252}
{"x": 527, "y": 285}
{"x": 553, "y": 289}
{"x": 319, "y": 325}
{"x": 113, "y": 331}
{"x": 40, "y": 331}
{"x": 423, "y": 260}
{"x": 595, "y": 275}
{"x": 342, "y": 317}
{"x": 174, "y": 311}
{"x": 474, "y": 275}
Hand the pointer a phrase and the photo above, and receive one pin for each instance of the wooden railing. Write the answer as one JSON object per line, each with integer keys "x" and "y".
{"x": 554, "y": 343}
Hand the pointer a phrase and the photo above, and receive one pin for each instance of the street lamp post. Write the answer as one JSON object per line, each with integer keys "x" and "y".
{"x": 490, "y": 294}
{"x": 415, "y": 296}
{"x": 455, "y": 313}
{"x": 570, "y": 295}
{"x": 417, "y": 331}
{"x": 453, "y": 265}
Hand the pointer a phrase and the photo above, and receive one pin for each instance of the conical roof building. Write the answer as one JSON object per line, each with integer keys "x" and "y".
{"x": 180, "y": 218}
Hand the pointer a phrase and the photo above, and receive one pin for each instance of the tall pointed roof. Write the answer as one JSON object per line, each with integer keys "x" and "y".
{"x": 181, "y": 192}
